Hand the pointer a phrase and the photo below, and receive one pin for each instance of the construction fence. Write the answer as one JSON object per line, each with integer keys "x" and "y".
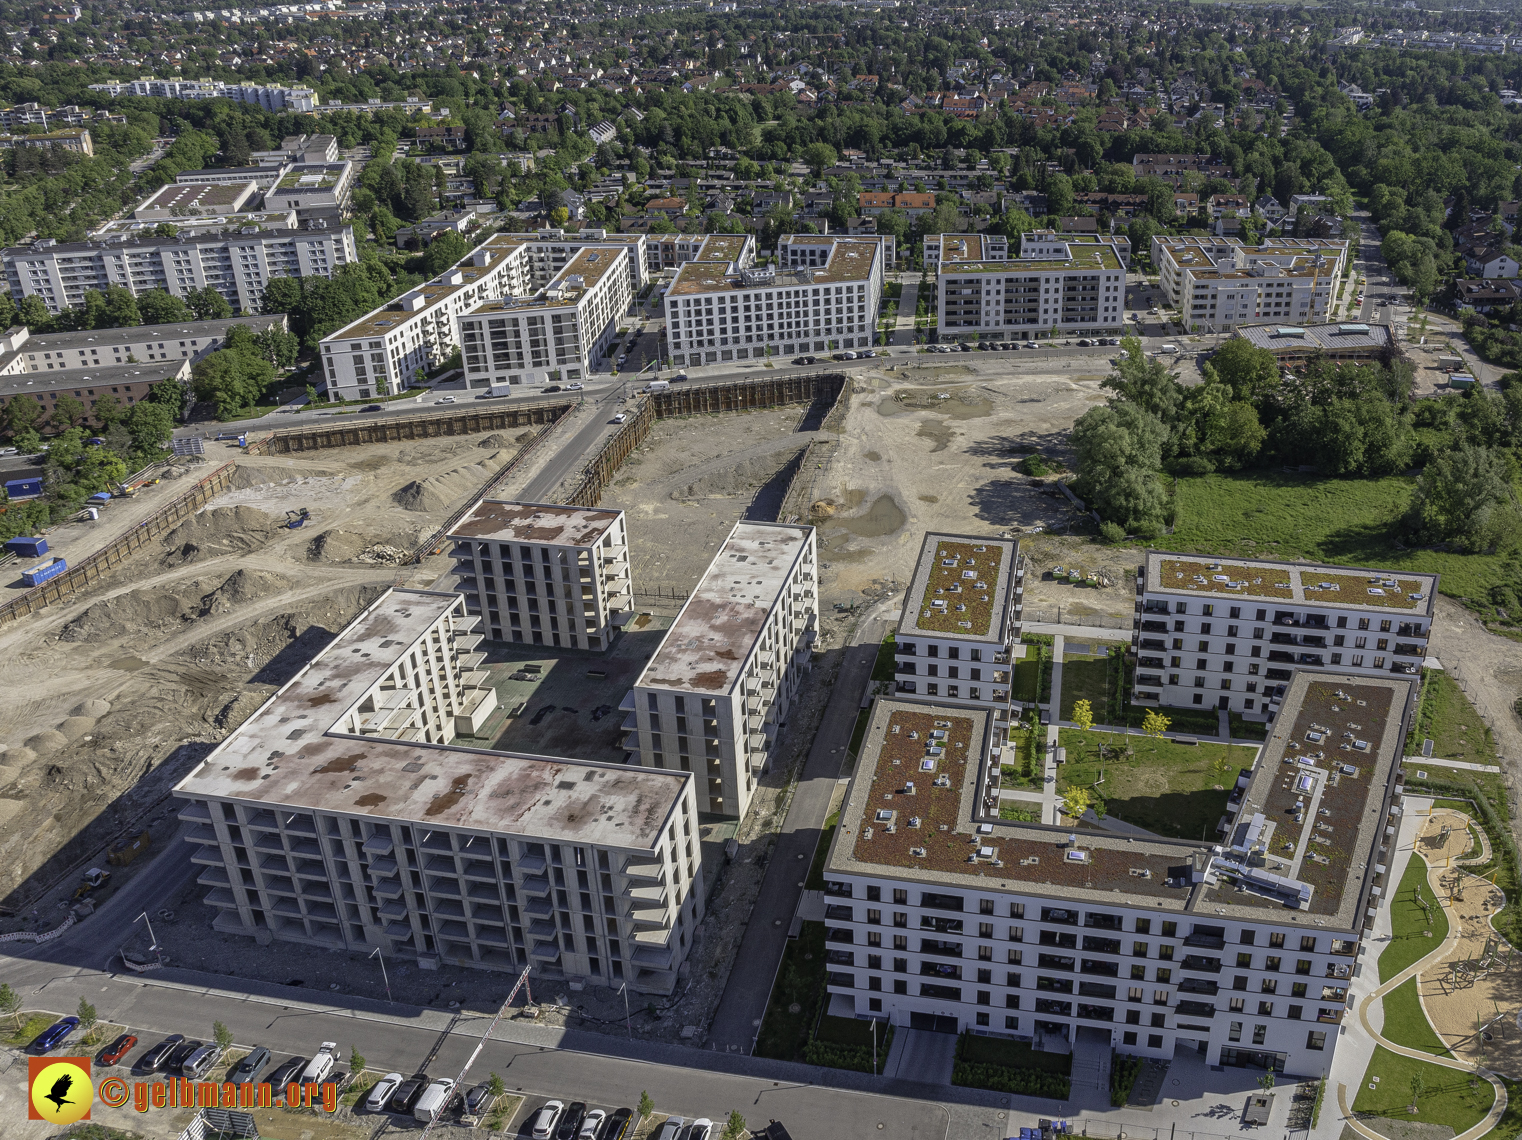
{"x": 352, "y": 433}
{"x": 114, "y": 553}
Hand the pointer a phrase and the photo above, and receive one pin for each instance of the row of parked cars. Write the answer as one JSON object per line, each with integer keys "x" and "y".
{"x": 423, "y": 1097}
{"x": 1010, "y": 345}
{"x": 575, "y": 1121}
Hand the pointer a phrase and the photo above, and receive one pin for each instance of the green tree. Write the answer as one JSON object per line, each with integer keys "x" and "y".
{"x": 21, "y": 414}
{"x": 281, "y": 295}
{"x": 734, "y": 1127}
{"x": 357, "y": 1063}
{"x": 87, "y": 1017}
{"x": 69, "y": 411}
{"x": 222, "y": 1035}
{"x": 1463, "y": 498}
{"x": 1059, "y": 195}
{"x": 150, "y": 425}
{"x": 121, "y": 308}
{"x": 161, "y": 308}
{"x": 1250, "y": 372}
{"x": 10, "y": 1003}
{"x": 1145, "y": 381}
{"x": 1076, "y": 801}
{"x": 1119, "y": 450}
{"x": 33, "y": 313}
{"x": 278, "y": 346}
{"x": 231, "y": 380}
{"x": 447, "y": 249}
{"x": 817, "y": 156}
{"x": 1083, "y": 721}
{"x": 646, "y": 1105}
{"x": 1154, "y": 724}
{"x": 208, "y": 305}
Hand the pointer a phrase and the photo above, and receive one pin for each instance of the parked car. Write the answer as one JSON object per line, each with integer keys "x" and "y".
{"x": 701, "y": 1129}
{"x": 622, "y": 358}
{"x": 53, "y": 1036}
{"x": 445, "y": 400}
{"x": 1085, "y": 343}
{"x": 619, "y": 1126}
{"x": 965, "y": 347}
{"x": 591, "y": 1124}
{"x": 114, "y": 1052}
{"x": 433, "y": 1100}
{"x": 671, "y": 1129}
{"x": 679, "y": 377}
{"x": 478, "y": 1099}
{"x": 201, "y": 1062}
{"x": 620, "y": 417}
{"x": 157, "y": 1058}
{"x": 181, "y": 1054}
{"x": 373, "y": 408}
{"x": 574, "y": 387}
{"x": 285, "y": 1074}
{"x": 247, "y": 1070}
{"x": 381, "y": 1090}
{"x": 405, "y": 1098}
{"x": 570, "y": 1120}
{"x": 868, "y": 354}
{"x": 546, "y": 1119}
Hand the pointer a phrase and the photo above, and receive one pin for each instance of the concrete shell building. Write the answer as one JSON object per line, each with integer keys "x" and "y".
{"x": 340, "y": 815}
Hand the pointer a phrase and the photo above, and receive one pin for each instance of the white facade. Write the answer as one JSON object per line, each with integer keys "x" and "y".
{"x": 543, "y": 574}
{"x": 989, "y": 247}
{"x": 1075, "y": 290}
{"x": 1220, "y": 265}
{"x": 713, "y": 698}
{"x": 379, "y": 833}
{"x": 237, "y": 265}
{"x": 718, "y": 311}
{"x": 298, "y": 99}
{"x": 1231, "y": 633}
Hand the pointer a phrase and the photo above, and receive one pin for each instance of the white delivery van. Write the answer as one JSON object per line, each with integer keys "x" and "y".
{"x": 1169, "y": 349}
{"x": 433, "y": 1100}
{"x": 658, "y": 385}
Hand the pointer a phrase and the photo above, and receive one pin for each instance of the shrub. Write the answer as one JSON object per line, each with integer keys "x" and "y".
{"x": 1022, "y": 1082}
{"x": 1032, "y": 465}
{"x": 1112, "y": 533}
{"x": 1123, "y": 1073}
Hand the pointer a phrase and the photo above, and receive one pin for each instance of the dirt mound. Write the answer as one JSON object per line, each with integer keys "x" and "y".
{"x": 218, "y": 531}
{"x": 74, "y": 727}
{"x": 350, "y": 546}
{"x": 382, "y": 555}
{"x": 278, "y": 646}
{"x": 241, "y": 588}
{"x": 499, "y": 439}
{"x": 46, "y": 741}
{"x": 744, "y": 478}
{"x": 140, "y": 612}
{"x": 440, "y": 492}
{"x": 94, "y": 707}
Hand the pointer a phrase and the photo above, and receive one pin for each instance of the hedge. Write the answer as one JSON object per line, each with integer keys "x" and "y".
{"x": 1123, "y": 1073}
{"x": 1020, "y": 1081}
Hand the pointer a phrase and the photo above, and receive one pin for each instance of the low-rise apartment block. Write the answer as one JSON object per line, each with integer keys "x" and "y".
{"x": 1049, "y": 243}
{"x": 313, "y": 186}
{"x": 716, "y": 310}
{"x": 1078, "y": 289}
{"x": 715, "y": 695}
{"x": 76, "y": 139}
{"x": 1288, "y": 280}
{"x": 671, "y": 251}
{"x": 1232, "y": 633}
{"x": 957, "y": 631}
{"x": 964, "y": 247}
{"x": 543, "y": 574}
{"x": 939, "y": 915}
{"x": 342, "y": 815}
{"x": 298, "y": 99}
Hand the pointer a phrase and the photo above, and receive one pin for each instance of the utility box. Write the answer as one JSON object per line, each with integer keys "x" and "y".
{"x": 27, "y": 547}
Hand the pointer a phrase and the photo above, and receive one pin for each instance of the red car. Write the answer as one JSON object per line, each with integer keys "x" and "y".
{"x": 115, "y": 1051}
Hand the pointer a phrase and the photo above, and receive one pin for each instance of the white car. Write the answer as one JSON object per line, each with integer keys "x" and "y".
{"x": 574, "y": 387}
{"x": 702, "y": 1129}
{"x": 321, "y": 1065}
{"x": 546, "y": 1119}
{"x": 433, "y": 1100}
{"x": 381, "y": 1091}
{"x": 621, "y": 417}
{"x": 623, "y": 358}
{"x": 590, "y": 1124}
{"x": 444, "y": 400}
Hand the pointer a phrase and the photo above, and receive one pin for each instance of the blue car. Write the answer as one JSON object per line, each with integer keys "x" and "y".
{"x": 53, "y": 1035}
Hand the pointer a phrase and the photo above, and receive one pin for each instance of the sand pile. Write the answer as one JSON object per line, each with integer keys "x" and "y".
{"x": 744, "y": 478}
{"x": 217, "y": 531}
{"x": 154, "y": 611}
{"x": 440, "y": 492}
{"x": 499, "y": 439}
{"x": 241, "y": 588}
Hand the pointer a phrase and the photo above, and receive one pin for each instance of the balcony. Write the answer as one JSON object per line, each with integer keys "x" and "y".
{"x": 1201, "y": 965}
{"x": 945, "y": 993}
{"x": 839, "y": 913}
{"x": 941, "y": 925}
{"x": 1154, "y": 627}
{"x": 940, "y": 949}
{"x": 840, "y": 934}
{"x": 1154, "y": 643}
{"x": 840, "y": 957}
{"x": 1061, "y": 940}
{"x": 1203, "y": 1009}
{"x": 1199, "y": 986}
{"x": 1206, "y": 940}
{"x": 1096, "y": 1012}
{"x": 1101, "y": 945}
{"x": 1054, "y": 1008}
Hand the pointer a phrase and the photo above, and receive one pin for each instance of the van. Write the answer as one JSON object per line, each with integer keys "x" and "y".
{"x": 321, "y": 1065}
{"x": 658, "y": 385}
{"x": 1169, "y": 349}
{"x": 433, "y": 1100}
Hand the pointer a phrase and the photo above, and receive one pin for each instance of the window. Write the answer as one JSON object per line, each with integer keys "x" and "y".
{"x": 1295, "y": 1012}
{"x": 1154, "y": 1041}
{"x": 1308, "y": 942}
{"x": 1238, "y": 1005}
{"x": 1244, "y": 961}
{"x": 1315, "y": 1040}
{"x": 1235, "y": 1032}
{"x": 1265, "y": 1009}
{"x": 1276, "y": 938}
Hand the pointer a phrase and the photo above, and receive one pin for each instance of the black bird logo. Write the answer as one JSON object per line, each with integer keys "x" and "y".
{"x": 60, "y": 1091}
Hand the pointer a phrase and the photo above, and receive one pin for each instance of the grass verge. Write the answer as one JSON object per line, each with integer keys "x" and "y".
{"x": 794, "y": 1005}
{"x": 1445, "y": 1097}
{"x": 1407, "y": 1025}
{"x": 1409, "y": 923}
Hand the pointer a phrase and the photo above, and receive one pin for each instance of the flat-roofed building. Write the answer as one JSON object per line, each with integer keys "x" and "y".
{"x": 1351, "y": 341}
{"x": 313, "y": 186}
{"x": 715, "y": 695}
{"x": 1288, "y": 279}
{"x": 671, "y": 251}
{"x": 1050, "y": 243}
{"x": 717, "y": 311}
{"x": 341, "y": 815}
{"x": 544, "y": 574}
{"x": 940, "y": 915}
{"x": 196, "y": 199}
{"x": 964, "y": 247}
{"x": 1231, "y": 633}
{"x": 1076, "y": 288}
{"x": 957, "y": 631}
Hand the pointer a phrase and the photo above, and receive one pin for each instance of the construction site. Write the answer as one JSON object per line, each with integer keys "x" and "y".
{"x": 121, "y": 682}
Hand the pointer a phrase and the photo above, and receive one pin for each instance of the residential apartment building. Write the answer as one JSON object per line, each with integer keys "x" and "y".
{"x": 1231, "y": 633}
{"x": 297, "y": 99}
{"x": 512, "y": 558}
{"x": 958, "y": 627}
{"x": 1041, "y": 244}
{"x": 964, "y": 247}
{"x": 671, "y": 251}
{"x": 380, "y": 832}
{"x": 939, "y": 915}
{"x": 313, "y": 186}
{"x": 176, "y": 200}
{"x": 1181, "y": 261}
{"x": 24, "y": 351}
{"x": 715, "y": 695}
{"x": 811, "y": 251}
{"x": 716, "y": 310}
{"x": 1078, "y": 289}
{"x": 76, "y": 139}
{"x": 235, "y": 264}
{"x": 264, "y": 177}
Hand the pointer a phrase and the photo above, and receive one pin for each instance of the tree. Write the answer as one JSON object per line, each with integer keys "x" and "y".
{"x": 1083, "y": 720}
{"x": 10, "y": 1003}
{"x": 1076, "y": 801}
{"x": 281, "y": 295}
{"x": 1266, "y": 1081}
{"x": 21, "y": 414}
{"x": 1250, "y": 372}
{"x": 1119, "y": 449}
{"x": 33, "y": 313}
{"x": 1145, "y": 381}
{"x": 208, "y": 305}
{"x": 223, "y": 1036}
{"x": 277, "y": 346}
{"x": 646, "y": 1105}
{"x": 447, "y": 249}
{"x": 87, "y": 1017}
{"x": 817, "y": 156}
{"x": 357, "y": 1063}
{"x": 161, "y": 308}
{"x": 734, "y": 1127}
{"x": 1059, "y": 195}
{"x": 496, "y": 1086}
{"x": 121, "y": 308}
{"x": 1154, "y": 724}
{"x": 231, "y": 380}
{"x": 69, "y": 411}
{"x": 1463, "y": 498}
{"x": 1418, "y": 1086}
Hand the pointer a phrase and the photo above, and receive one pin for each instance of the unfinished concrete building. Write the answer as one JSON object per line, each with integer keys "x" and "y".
{"x": 340, "y": 816}
{"x": 712, "y": 699}
{"x": 544, "y": 574}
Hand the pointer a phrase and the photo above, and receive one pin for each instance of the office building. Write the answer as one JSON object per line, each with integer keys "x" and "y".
{"x": 1351, "y": 342}
{"x": 235, "y": 264}
{"x": 715, "y": 695}
{"x": 1232, "y": 633}
{"x": 312, "y": 186}
{"x": 192, "y": 200}
{"x": 957, "y": 631}
{"x": 939, "y": 915}
{"x": 718, "y": 311}
{"x": 342, "y": 815}
{"x": 1073, "y": 290}
{"x": 542, "y": 574}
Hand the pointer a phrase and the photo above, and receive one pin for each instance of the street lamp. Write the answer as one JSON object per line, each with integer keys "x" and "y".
{"x": 624, "y": 989}
{"x": 376, "y": 953}
{"x": 152, "y": 938}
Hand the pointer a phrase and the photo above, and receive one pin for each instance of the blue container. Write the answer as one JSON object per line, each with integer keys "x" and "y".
{"x": 100, "y": 497}
{"x": 24, "y": 488}
{"x": 40, "y": 573}
{"x": 28, "y": 547}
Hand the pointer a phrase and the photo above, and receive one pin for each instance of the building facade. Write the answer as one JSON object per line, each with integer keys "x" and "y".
{"x": 298, "y": 99}
{"x": 715, "y": 695}
{"x": 513, "y": 558}
{"x": 1076, "y": 290}
{"x": 1232, "y": 633}
{"x": 381, "y": 833}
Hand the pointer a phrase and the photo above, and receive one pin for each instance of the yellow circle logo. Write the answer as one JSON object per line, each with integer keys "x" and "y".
{"x": 62, "y": 1092}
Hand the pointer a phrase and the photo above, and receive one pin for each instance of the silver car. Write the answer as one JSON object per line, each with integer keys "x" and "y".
{"x": 201, "y": 1062}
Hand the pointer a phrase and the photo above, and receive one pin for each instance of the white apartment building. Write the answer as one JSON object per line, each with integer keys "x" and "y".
{"x": 1289, "y": 279}
{"x": 543, "y": 574}
{"x": 298, "y": 99}
{"x": 813, "y": 251}
{"x": 957, "y": 631}
{"x": 175, "y": 201}
{"x": 941, "y": 916}
{"x": 340, "y": 815}
{"x": 718, "y": 311}
{"x": 1072, "y": 291}
{"x": 713, "y": 698}
{"x": 1232, "y": 633}
{"x": 671, "y": 251}
{"x": 558, "y": 333}
{"x": 965, "y": 247}
{"x": 313, "y": 186}
{"x": 1042, "y": 244}
{"x": 22, "y": 351}
{"x": 549, "y": 250}
{"x": 235, "y": 264}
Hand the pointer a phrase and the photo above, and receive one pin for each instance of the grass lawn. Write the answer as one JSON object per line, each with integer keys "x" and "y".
{"x": 1456, "y": 730}
{"x": 31, "y": 1024}
{"x": 1027, "y": 678}
{"x": 1083, "y": 679}
{"x": 1012, "y": 773}
{"x": 1014, "y": 812}
{"x": 359, "y": 1087}
{"x": 1261, "y": 514}
{"x": 978, "y": 1050}
{"x": 1446, "y": 1097}
{"x": 882, "y": 669}
{"x": 1408, "y": 943}
{"x": 859, "y": 733}
{"x": 1510, "y": 1124}
{"x": 1177, "y": 790}
{"x": 1406, "y": 1024}
{"x": 800, "y": 983}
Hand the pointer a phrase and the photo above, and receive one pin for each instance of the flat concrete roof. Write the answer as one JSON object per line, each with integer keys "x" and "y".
{"x": 971, "y": 607}
{"x": 286, "y": 755}
{"x": 100, "y": 377}
{"x": 716, "y": 631}
{"x": 1300, "y": 583}
{"x": 213, "y": 197}
{"x": 505, "y": 520}
{"x": 1345, "y": 337}
{"x": 1095, "y": 257}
